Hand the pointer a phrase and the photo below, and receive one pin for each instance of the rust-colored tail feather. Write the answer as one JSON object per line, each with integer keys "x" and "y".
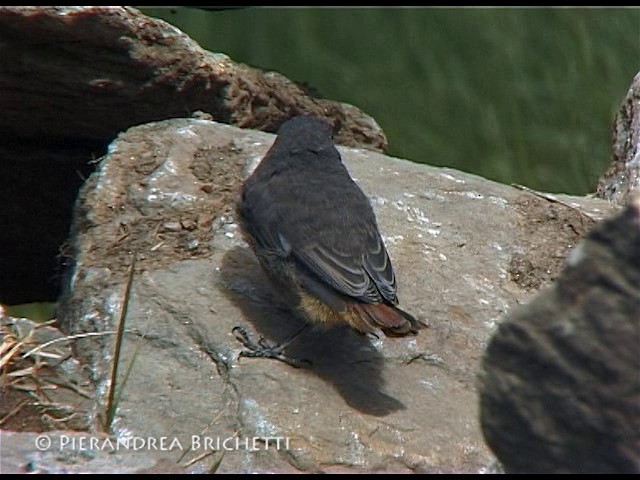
{"x": 389, "y": 318}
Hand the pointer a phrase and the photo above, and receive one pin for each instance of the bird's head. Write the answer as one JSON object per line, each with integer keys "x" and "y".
{"x": 304, "y": 134}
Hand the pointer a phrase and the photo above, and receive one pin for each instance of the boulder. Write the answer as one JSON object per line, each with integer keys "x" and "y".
{"x": 623, "y": 175}
{"x": 140, "y": 69}
{"x": 466, "y": 251}
{"x": 561, "y": 384}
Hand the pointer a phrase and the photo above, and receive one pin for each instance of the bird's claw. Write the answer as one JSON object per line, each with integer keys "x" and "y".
{"x": 263, "y": 349}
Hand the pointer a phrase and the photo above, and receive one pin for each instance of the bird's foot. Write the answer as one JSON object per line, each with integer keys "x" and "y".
{"x": 263, "y": 349}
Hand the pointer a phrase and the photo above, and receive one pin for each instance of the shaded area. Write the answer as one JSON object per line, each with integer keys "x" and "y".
{"x": 340, "y": 356}
{"x": 38, "y": 185}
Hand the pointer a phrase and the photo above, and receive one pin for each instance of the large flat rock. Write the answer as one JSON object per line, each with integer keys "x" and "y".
{"x": 466, "y": 251}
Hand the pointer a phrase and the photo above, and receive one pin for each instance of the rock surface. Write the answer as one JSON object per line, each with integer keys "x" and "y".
{"x": 72, "y": 452}
{"x": 561, "y": 390}
{"x": 623, "y": 175}
{"x": 73, "y": 78}
{"x": 141, "y": 69}
{"x": 466, "y": 250}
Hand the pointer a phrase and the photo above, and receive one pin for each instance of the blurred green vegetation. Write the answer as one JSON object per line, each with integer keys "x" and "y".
{"x": 516, "y": 95}
{"x": 37, "y": 311}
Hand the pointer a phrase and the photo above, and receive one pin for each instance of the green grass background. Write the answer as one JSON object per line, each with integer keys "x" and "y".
{"x": 516, "y": 95}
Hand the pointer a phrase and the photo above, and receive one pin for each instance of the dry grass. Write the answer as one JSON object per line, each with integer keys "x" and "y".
{"x": 38, "y": 395}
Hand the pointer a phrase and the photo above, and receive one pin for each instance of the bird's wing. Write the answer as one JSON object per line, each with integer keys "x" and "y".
{"x": 378, "y": 266}
{"x": 367, "y": 276}
{"x": 362, "y": 271}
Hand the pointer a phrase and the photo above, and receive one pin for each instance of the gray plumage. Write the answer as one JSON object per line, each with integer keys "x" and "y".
{"x": 301, "y": 207}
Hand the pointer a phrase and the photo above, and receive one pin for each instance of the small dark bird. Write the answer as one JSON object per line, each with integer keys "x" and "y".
{"x": 315, "y": 234}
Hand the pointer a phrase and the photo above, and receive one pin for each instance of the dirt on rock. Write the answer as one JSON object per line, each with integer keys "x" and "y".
{"x": 160, "y": 236}
{"x": 549, "y": 230}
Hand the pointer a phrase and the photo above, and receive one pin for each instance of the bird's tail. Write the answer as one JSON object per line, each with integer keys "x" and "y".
{"x": 393, "y": 321}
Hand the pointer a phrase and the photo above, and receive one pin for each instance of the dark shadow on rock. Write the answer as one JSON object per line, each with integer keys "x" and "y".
{"x": 340, "y": 356}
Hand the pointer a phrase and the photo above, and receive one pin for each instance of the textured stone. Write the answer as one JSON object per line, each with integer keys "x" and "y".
{"x": 623, "y": 175}
{"x": 561, "y": 389}
{"x": 391, "y": 404}
{"x": 140, "y": 69}
{"x": 76, "y": 452}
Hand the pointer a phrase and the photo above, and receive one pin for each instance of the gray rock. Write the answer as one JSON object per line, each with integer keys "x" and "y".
{"x": 73, "y": 78}
{"x": 140, "y": 69}
{"x": 561, "y": 389}
{"x": 623, "y": 175}
{"x": 76, "y": 452}
{"x": 391, "y": 404}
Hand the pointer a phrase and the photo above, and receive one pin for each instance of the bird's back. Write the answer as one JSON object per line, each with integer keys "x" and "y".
{"x": 310, "y": 204}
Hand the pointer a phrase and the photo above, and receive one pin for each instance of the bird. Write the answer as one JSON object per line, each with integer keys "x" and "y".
{"x": 315, "y": 234}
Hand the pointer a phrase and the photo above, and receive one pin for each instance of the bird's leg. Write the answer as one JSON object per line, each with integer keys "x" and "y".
{"x": 297, "y": 333}
{"x": 262, "y": 348}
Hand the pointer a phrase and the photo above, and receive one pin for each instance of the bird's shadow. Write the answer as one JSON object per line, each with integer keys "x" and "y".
{"x": 340, "y": 356}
